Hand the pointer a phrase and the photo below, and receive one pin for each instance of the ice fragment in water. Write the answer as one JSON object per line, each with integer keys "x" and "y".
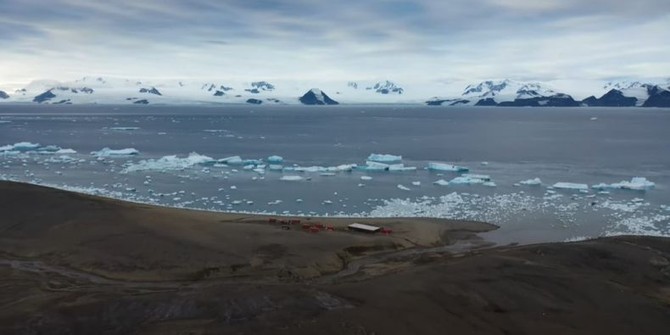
{"x": 291, "y": 178}
{"x": 531, "y": 182}
{"x": 402, "y": 187}
{"x": 107, "y": 152}
{"x": 437, "y": 166}
{"x": 441, "y": 182}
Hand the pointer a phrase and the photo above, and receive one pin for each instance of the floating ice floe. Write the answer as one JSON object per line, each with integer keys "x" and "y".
{"x": 291, "y": 178}
{"x": 275, "y": 159}
{"x": 124, "y": 128}
{"x": 169, "y": 163}
{"x": 571, "y": 186}
{"x": 366, "y": 178}
{"x": 531, "y": 182}
{"x": 233, "y": 160}
{"x": 636, "y": 184}
{"x": 321, "y": 169}
{"x": 372, "y": 166}
{"x": 384, "y": 158}
{"x": 437, "y": 166}
{"x": 441, "y": 182}
{"x": 470, "y": 179}
{"x": 404, "y": 188}
{"x": 416, "y": 183}
{"x": 107, "y": 152}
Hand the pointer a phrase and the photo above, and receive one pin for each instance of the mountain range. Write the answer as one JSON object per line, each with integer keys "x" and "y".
{"x": 503, "y": 93}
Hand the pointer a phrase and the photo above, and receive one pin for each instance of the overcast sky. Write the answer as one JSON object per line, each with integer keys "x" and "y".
{"x": 334, "y": 40}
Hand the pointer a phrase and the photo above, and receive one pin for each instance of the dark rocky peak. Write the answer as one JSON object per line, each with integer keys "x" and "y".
{"x": 353, "y": 85}
{"x": 613, "y": 98}
{"x": 556, "y": 100}
{"x": 317, "y": 97}
{"x": 46, "y": 96}
{"x": 449, "y": 102}
{"x": 488, "y": 87}
{"x": 213, "y": 87}
{"x": 152, "y": 90}
{"x": 75, "y": 90}
{"x": 4, "y": 95}
{"x": 260, "y": 86}
{"x": 386, "y": 87}
{"x": 486, "y": 102}
{"x": 658, "y": 97}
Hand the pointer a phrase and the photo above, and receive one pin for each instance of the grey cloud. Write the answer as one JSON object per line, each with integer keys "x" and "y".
{"x": 522, "y": 38}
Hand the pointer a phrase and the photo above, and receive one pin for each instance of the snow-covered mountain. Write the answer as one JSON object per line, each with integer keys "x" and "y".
{"x": 506, "y": 92}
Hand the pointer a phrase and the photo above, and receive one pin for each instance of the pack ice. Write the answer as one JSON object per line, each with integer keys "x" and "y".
{"x": 169, "y": 163}
{"x": 28, "y": 147}
{"x": 636, "y": 184}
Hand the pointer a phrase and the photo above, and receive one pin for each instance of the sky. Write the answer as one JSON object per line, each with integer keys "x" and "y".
{"x": 442, "y": 40}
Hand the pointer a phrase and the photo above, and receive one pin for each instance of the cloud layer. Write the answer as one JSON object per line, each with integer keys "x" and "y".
{"x": 335, "y": 40}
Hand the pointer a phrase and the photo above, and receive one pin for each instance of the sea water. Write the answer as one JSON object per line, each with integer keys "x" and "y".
{"x": 185, "y": 157}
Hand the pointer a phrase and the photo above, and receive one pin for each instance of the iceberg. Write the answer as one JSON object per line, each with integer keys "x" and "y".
{"x": 571, "y": 186}
{"x": 19, "y": 147}
{"x": 124, "y": 128}
{"x": 437, "y": 166}
{"x": 635, "y": 184}
{"x": 107, "y": 152}
{"x": 531, "y": 182}
{"x": 291, "y": 178}
{"x": 275, "y": 159}
{"x": 404, "y": 188}
{"x": 384, "y": 158}
{"x": 169, "y": 163}
{"x": 366, "y": 178}
{"x": 252, "y": 162}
